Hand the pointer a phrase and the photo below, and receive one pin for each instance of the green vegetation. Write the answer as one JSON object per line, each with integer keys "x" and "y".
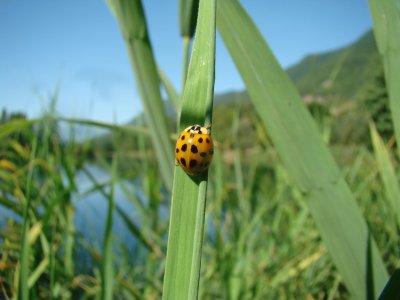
{"x": 304, "y": 155}
{"x": 300, "y": 202}
{"x": 386, "y": 18}
{"x": 188, "y": 203}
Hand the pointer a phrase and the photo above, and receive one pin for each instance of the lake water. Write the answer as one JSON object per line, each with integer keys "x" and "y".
{"x": 91, "y": 210}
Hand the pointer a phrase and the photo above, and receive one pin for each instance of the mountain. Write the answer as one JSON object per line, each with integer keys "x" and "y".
{"x": 230, "y": 97}
{"x": 340, "y": 74}
{"x": 335, "y": 79}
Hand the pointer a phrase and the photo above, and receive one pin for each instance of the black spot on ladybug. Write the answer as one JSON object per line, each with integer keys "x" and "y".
{"x": 183, "y": 162}
{"x": 202, "y": 154}
{"x": 192, "y": 135}
{"x": 200, "y": 140}
{"x": 193, "y": 127}
{"x": 193, "y": 163}
{"x": 184, "y": 147}
{"x": 182, "y": 137}
{"x": 194, "y": 149}
{"x": 207, "y": 140}
{"x": 176, "y": 150}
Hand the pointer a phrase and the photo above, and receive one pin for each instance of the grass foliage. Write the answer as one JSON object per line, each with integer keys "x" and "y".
{"x": 285, "y": 211}
{"x": 386, "y": 18}
{"x": 304, "y": 154}
{"x": 185, "y": 239}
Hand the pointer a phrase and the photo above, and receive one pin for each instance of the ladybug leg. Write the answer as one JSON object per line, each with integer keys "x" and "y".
{"x": 208, "y": 127}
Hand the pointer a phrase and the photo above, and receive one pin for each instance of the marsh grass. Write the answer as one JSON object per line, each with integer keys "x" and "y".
{"x": 253, "y": 248}
{"x": 266, "y": 229}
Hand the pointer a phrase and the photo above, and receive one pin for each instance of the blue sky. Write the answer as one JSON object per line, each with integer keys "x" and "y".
{"x": 76, "y": 47}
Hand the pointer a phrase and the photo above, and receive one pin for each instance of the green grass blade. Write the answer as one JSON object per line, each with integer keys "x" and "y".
{"x": 188, "y": 10}
{"x": 185, "y": 59}
{"x": 140, "y": 130}
{"x": 387, "y": 172}
{"x": 304, "y": 154}
{"x": 181, "y": 279}
{"x": 69, "y": 240}
{"x": 40, "y": 269}
{"x": 107, "y": 281}
{"x": 237, "y": 161}
{"x": 386, "y": 21}
{"x": 137, "y": 232}
{"x": 23, "y": 289}
{"x": 173, "y": 96}
{"x": 131, "y": 19}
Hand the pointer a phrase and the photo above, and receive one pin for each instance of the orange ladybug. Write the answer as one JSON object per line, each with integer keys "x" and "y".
{"x": 194, "y": 149}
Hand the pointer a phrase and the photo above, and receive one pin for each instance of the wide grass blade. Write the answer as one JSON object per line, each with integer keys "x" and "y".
{"x": 387, "y": 172}
{"x": 386, "y": 21}
{"x": 132, "y": 22}
{"x": 181, "y": 280}
{"x": 306, "y": 158}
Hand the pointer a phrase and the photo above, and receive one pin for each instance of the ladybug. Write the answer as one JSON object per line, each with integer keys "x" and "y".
{"x": 194, "y": 149}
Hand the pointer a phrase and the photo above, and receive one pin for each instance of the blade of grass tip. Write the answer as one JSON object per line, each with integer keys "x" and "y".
{"x": 386, "y": 23}
{"x": 188, "y": 10}
{"x": 23, "y": 289}
{"x": 138, "y": 130}
{"x": 132, "y": 22}
{"x": 107, "y": 281}
{"x": 173, "y": 96}
{"x": 386, "y": 171}
{"x": 185, "y": 59}
{"x": 306, "y": 157}
{"x": 182, "y": 272}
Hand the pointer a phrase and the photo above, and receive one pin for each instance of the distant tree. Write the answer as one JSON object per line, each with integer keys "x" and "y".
{"x": 7, "y": 117}
{"x": 19, "y": 135}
